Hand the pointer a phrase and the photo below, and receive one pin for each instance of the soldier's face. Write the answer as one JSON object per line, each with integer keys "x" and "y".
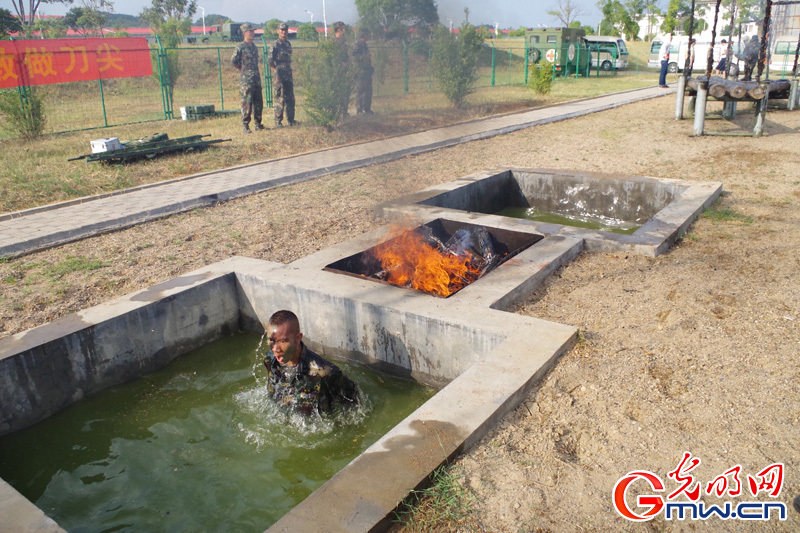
{"x": 249, "y": 35}
{"x": 283, "y": 34}
{"x": 285, "y": 342}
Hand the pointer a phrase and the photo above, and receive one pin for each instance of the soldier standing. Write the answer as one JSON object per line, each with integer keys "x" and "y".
{"x": 340, "y": 38}
{"x": 283, "y": 88}
{"x": 363, "y": 61}
{"x": 245, "y": 59}
{"x": 751, "y": 50}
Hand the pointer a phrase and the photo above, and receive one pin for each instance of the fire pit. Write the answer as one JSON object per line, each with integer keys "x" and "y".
{"x": 438, "y": 258}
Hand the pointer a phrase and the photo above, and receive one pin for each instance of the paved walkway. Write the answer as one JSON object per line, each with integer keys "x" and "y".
{"x": 43, "y": 227}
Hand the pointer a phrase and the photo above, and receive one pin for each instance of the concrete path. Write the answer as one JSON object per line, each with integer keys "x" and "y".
{"x": 43, "y": 227}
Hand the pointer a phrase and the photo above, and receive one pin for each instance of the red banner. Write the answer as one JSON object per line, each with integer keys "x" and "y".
{"x": 45, "y": 61}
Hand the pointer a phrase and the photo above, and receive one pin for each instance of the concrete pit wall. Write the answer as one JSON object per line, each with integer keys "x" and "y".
{"x": 488, "y": 358}
{"x": 664, "y": 207}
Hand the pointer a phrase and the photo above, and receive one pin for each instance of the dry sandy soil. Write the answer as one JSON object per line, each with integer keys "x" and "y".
{"x": 696, "y": 351}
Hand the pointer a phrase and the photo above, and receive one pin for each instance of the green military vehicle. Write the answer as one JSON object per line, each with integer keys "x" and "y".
{"x": 565, "y": 48}
{"x": 232, "y": 31}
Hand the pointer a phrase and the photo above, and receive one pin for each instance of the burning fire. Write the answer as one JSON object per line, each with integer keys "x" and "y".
{"x": 421, "y": 262}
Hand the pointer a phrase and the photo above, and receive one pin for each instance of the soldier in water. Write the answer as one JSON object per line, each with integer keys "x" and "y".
{"x": 245, "y": 59}
{"x": 300, "y": 379}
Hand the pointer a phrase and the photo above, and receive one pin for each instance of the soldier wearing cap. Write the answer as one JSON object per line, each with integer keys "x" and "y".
{"x": 245, "y": 59}
{"x": 283, "y": 85}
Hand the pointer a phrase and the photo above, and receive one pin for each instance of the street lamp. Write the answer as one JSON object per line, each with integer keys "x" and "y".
{"x": 496, "y": 25}
{"x": 203, "y": 11}
{"x": 324, "y": 19}
{"x": 451, "y": 24}
{"x": 311, "y": 15}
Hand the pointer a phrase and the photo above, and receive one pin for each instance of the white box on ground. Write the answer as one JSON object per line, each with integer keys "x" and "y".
{"x": 183, "y": 113}
{"x": 105, "y": 145}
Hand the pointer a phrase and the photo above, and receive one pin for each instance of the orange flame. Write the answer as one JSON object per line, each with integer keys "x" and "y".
{"x": 409, "y": 261}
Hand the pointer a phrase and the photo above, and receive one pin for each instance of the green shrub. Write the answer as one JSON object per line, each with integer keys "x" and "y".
{"x": 328, "y": 81}
{"x": 23, "y": 112}
{"x": 541, "y": 77}
{"x": 455, "y": 61}
{"x": 421, "y": 47}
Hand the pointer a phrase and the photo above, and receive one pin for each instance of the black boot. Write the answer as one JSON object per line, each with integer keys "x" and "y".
{"x": 246, "y": 129}
{"x": 260, "y": 127}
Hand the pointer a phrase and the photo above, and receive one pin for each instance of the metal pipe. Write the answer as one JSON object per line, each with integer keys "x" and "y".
{"x": 700, "y": 109}
{"x": 679, "y": 96}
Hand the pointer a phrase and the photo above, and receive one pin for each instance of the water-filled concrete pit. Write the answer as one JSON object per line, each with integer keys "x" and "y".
{"x": 484, "y": 358}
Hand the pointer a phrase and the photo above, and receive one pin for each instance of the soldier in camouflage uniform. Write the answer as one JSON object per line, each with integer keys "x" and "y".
{"x": 283, "y": 84}
{"x": 299, "y": 378}
{"x": 245, "y": 59}
{"x": 343, "y": 58}
{"x": 364, "y": 70}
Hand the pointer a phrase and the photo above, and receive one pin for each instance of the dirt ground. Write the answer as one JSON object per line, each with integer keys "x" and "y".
{"x": 696, "y": 351}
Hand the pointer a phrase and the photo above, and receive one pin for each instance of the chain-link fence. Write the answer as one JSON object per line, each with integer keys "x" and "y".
{"x": 202, "y": 74}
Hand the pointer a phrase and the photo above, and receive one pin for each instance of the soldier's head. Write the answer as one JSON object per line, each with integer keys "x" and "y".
{"x": 283, "y": 31}
{"x": 284, "y": 337}
{"x": 363, "y": 34}
{"x": 248, "y": 32}
{"x": 339, "y": 28}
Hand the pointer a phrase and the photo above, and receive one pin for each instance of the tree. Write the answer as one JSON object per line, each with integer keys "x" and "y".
{"x": 307, "y": 32}
{"x": 567, "y": 11}
{"x": 271, "y": 29}
{"x": 211, "y": 20}
{"x": 8, "y": 23}
{"x": 47, "y": 28}
{"x": 455, "y": 61}
{"x": 617, "y": 19}
{"x": 671, "y": 21}
{"x": 170, "y": 19}
{"x": 397, "y": 16}
{"x": 328, "y": 81}
{"x": 85, "y": 20}
{"x": 27, "y": 14}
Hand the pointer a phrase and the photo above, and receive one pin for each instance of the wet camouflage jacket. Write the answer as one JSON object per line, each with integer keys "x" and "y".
{"x": 245, "y": 58}
{"x": 313, "y": 386}
{"x": 281, "y": 57}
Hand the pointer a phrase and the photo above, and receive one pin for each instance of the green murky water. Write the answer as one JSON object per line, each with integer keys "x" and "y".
{"x": 196, "y": 446}
{"x": 600, "y": 223}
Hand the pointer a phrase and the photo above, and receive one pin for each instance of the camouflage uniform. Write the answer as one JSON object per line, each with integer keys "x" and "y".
{"x": 245, "y": 58}
{"x": 283, "y": 85}
{"x": 364, "y": 71}
{"x": 313, "y": 386}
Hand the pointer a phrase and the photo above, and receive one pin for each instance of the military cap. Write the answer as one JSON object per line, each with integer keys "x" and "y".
{"x": 283, "y": 26}
{"x": 246, "y": 27}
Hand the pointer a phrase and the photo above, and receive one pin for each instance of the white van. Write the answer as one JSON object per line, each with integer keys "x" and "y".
{"x": 781, "y": 60}
{"x": 607, "y": 52}
{"x": 678, "y": 51}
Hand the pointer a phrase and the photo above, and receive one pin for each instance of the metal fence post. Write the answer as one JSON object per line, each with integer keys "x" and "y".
{"x": 493, "y": 50}
{"x": 405, "y": 68}
{"x": 219, "y": 73}
{"x": 526, "y": 63}
{"x": 103, "y": 103}
{"x": 267, "y": 74}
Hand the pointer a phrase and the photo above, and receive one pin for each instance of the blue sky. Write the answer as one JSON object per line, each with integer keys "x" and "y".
{"x": 509, "y": 13}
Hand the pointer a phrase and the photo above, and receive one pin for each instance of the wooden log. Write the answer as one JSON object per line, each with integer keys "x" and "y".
{"x": 719, "y": 87}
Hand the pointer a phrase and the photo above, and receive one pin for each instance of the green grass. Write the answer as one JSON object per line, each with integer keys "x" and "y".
{"x": 726, "y": 215}
{"x": 37, "y": 173}
{"x": 72, "y": 264}
{"x": 445, "y": 504}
